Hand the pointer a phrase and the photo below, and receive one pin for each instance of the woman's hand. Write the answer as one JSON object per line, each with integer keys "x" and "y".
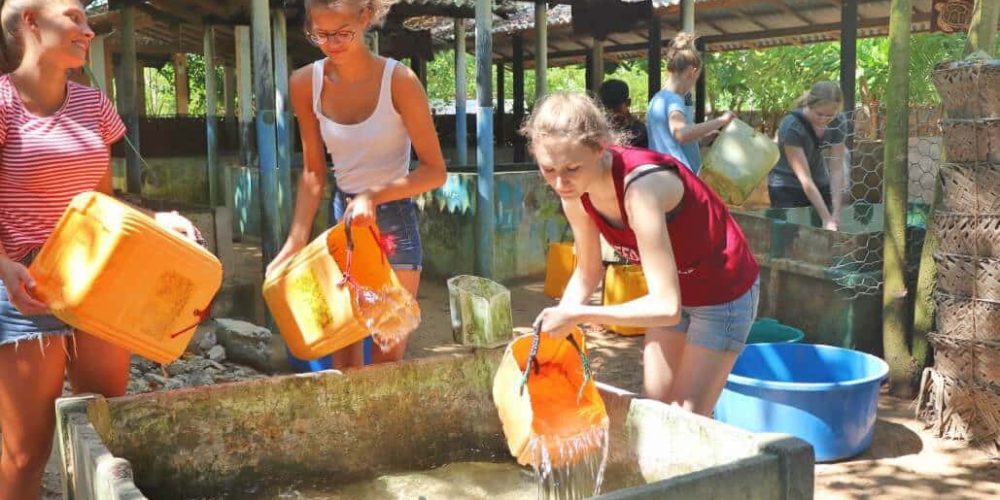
{"x": 558, "y": 321}
{"x": 360, "y": 210}
{"x": 292, "y": 246}
{"x": 831, "y": 224}
{"x": 179, "y": 224}
{"x": 18, "y": 282}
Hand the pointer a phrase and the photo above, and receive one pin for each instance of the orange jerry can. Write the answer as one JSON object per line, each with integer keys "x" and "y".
{"x": 113, "y": 272}
{"x": 559, "y": 266}
{"x": 622, "y": 283}
{"x": 314, "y": 306}
{"x": 550, "y": 408}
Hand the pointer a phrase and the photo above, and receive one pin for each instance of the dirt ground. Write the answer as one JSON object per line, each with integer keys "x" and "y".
{"x": 904, "y": 461}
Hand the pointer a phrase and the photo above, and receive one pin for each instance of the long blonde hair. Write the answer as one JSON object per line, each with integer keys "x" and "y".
{"x": 821, "y": 93}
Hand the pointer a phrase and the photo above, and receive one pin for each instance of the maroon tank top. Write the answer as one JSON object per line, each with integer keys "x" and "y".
{"x": 714, "y": 262}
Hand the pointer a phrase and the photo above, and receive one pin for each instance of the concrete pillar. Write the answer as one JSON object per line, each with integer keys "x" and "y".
{"x": 229, "y": 90}
{"x": 461, "y": 116}
{"x": 485, "y": 221}
{"x": 181, "y": 84}
{"x": 285, "y": 117}
{"x": 519, "y": 143}
{"x": 211, "y": 118}
{"x": 244, "y": 85}
{"x": 128, "y": 103}
{"x": 541, "y": 48}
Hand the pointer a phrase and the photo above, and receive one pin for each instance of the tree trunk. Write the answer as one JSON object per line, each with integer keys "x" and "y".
{"x": 903, "y": 368}
{"x": 983, "y": 28}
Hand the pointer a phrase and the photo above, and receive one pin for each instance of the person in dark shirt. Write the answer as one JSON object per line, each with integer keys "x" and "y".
{"x": 614, "y": 96}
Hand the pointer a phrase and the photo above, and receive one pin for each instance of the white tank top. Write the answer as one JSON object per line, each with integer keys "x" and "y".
{"x": 372, "y": 152}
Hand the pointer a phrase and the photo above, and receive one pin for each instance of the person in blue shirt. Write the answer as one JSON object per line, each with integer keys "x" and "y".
{"x": 670, "y": 120}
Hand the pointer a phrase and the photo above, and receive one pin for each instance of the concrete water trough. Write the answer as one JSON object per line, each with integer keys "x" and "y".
{"x": 247, "y": 440}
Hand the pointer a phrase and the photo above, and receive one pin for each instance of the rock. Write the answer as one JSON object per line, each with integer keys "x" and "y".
{"x": 204, "y": 338}
{"x": 246, "y": 343}
{"x": 138, "y": 385}
{"x": 155, "y": 379}
{"x": 217, "y": 353}
{"x": 174, "y": 383}
{"x": 198, "y": 379}
{"x": 143, "y": 364}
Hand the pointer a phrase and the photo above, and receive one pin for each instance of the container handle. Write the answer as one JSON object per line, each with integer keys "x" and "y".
{"x": 202, "y": 315}
{"x": 533, "y": 360}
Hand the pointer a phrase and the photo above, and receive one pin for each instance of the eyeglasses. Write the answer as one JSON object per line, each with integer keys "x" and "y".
{"x": 337, "y": 37}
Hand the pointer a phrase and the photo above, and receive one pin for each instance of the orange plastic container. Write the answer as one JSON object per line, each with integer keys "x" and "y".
{"x": 559, "y": 414}
{"x": 113, "y": 272}
{"x": 314, "y": 310}
{"x": 559, "y": 266}
{"x": 622, "y": 283}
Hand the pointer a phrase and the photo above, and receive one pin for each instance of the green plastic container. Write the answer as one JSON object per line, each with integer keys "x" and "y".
{"x": 480, "y": 310}
{"x": 770, "y": 331}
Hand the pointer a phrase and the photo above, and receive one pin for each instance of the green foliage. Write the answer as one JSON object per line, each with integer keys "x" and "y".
{"x": 161, "y": 99}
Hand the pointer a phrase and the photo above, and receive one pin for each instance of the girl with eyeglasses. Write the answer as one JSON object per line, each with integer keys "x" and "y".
{"x": 803, "y": 177}
{"x": 365, "y": 112}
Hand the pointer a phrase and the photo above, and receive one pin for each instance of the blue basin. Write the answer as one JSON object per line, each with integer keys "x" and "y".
{"x": 822, "y": 394}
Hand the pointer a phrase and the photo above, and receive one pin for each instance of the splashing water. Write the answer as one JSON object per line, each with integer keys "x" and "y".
{"x": 389, "y": 313}
{"x": 571, "y": 467}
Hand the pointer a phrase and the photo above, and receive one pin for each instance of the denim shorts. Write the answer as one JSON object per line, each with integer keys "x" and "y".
{"x": 722, "y": 327}
{"x": 16, "y": 327}
{"x": 397, "y": 218}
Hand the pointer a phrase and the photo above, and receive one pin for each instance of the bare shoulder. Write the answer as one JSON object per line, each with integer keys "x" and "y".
{"x": 652, "y": 183}
{"x": 302, "y": 76}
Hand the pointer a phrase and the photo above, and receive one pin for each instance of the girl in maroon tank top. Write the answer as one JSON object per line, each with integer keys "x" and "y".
{"x": 701, "y": 275}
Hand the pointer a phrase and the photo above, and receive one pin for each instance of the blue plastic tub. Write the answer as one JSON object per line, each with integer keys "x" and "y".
{"x": 769, "y": 330}
{"x": 825, "y": 395}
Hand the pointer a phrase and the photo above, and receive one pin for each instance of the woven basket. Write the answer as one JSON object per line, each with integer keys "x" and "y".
{"x": 976, "y": 235}
{"x": 953, "y": 357}
{"x": 969, "y": 89}
{"x": 956, "y": 233}
{"x": 958, "y": 185}
{"x": 948, "y": 405}
{"x": 969, "y": 319}
{"x": 972, "y": 140}
{"x": 968, "y": 277}
{"x": 988, "y": 187}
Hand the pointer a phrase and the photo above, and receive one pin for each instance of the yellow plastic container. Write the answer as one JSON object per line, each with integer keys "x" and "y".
{"x": 315, "y": 311}
{"x": 113, "y": 272}
{"x": 622, "y": 283}
{"x": 559, "y": 409}
{"x": 737, "y": 162}
{"x": 559, "y": 266}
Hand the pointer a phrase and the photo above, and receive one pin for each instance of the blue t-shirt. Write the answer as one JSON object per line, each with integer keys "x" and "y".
{"x": 658, "y": 125}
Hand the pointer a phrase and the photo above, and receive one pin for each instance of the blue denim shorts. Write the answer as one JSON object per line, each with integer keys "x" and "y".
{"x": 16, "y": 327}
{"x": 722, "y": 327}
{"x": 397, "y": 218}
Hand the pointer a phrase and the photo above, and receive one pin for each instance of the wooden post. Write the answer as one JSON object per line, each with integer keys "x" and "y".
{"x": 501, "y": 130}
{"x": 97, "y": 59}
{"x": 848, "y": 53}
{"x": 485, "y": 221}
{"x": 699, "y": 89}
{"x": 904, "y": 371}
{"x": 267, "y": 147}
{"x": 541, "y": 48}
{"x": 519, "y": 143}
{"x": 687, "y": 16}
{"x": 597, "y": 58}
{"x": 211, "y": 116}
{"x": 461, "y": 96}
{"x": 285, "y": 118}
{"x": 229, "y": 90}
{"x": 128, "y": 103}
{"x": 244, "y": 82}
{"x": 181, "y": 84}
{"x": 140, "y": 92}
{"x": 655, "y": 56}
{"x": 983, "y": 28}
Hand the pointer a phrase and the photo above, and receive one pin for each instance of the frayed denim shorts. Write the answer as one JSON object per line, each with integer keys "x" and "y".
{"x": 397, "y": 218}
{"x": 724, "y": 327}
{"x": 16, "y": 327}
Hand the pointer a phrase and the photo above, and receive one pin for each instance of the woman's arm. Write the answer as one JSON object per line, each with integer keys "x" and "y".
{"x": 410, "y": 101}
{"x": 646, "y": 201}
{"x": 836, "y": 167}
{"x": 685, "y": 132}
{"x": 587, "y": 244}
{"x": 800, "y": 166}
{"x": 313, "y": 180}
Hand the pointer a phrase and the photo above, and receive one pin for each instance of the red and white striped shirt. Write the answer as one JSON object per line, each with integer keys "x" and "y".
{"x": 46, "y": 161}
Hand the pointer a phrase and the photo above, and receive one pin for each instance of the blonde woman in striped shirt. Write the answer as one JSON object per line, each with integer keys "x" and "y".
{"x": 55, "y": 138}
